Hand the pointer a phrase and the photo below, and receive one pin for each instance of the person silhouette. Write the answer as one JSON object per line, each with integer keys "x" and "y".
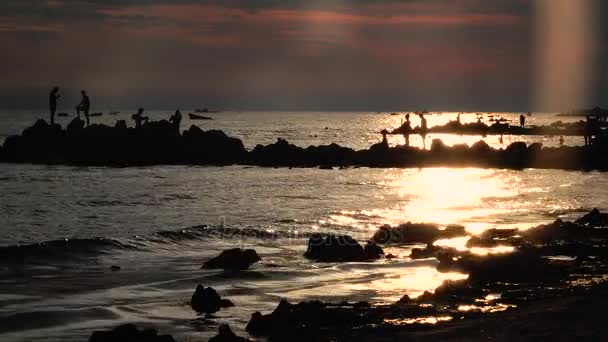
{"x": 53, "y": 97}
{"x": 84, "y": 106}
{"x": 522, "y": 121}
{"x": 176, "y": 120}
{"x": 139, "y": 118}
{"x": 423, "y": 128}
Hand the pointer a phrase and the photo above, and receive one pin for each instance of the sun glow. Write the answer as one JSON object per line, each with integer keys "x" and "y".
{"x": 449, "y": 196}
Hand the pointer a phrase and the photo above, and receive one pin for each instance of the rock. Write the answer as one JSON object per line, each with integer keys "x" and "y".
{"x": 372, "y": 251}
{"x": 305, "y": 321}
{"x": 417, "y": 233}
{"x": 495, "y": 237}
{"x": 333, "y": 248}
{"x": 594, "y": 219}
{"x": 129, "y": 333}
{"x": 519, "y": 266}
{"x": 225, "y": 334}
{"x": 391, "y": 256}
{"x": 234, "y": 259}
{"x": 75, "y": 126}
{"x": 207, "y": 300}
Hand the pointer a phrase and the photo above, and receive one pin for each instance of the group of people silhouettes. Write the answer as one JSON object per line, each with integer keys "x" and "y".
{"x": 408, "y": 128}
{"x": 85, "y": 105}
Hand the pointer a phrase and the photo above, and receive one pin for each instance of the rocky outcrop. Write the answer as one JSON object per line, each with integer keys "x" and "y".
{"x": 129, "y": 333}
{"x": 234, "y": 259}
{"x": 225, "y": 334}
{"x": 333, "y": 248}
{"x": 207, "y": 300}
{"x": 160, "y": 143}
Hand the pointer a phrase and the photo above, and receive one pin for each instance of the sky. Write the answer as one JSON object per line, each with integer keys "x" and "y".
{"x": 493, "y": 55}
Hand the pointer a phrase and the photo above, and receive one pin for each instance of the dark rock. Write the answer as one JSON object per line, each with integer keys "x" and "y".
{"x": 129, "y": 333}
{"x": 234, "y": 259}
{"x": 333, "y": 248}
{"x": 519, "y": 266}
{"x": 594, "y": 219}
{"x": 225, "y": 334}
{"x": 306, "y": 321}
{"x": 372, "y": 251}
{"x": 417, "y": 233}
{"x": 207, "y": 300}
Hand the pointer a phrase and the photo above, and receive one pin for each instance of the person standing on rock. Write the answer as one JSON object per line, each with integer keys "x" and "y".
{"x": 176, "y": 120}
{"x": 522, "y": 121}
{"x": 84, "y": 106}
{"x": 139, "y": 118}
{"x": 423, "y": 128}
{"x": 53, "y": 97}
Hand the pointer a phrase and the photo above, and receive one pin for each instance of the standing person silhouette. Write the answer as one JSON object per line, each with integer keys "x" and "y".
{"x": 176, "y": 120}
{"x": 53, "y": 97}
{"x": 522, "y": 121}
{"x": 84, "y": 106}
{"x": 139, "y": 118}
{"x": 423, "y": 129}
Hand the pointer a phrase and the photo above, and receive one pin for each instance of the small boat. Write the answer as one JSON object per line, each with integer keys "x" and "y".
{"x": 96, "y": 114}
{"x": 198, "y": 117}
{"x": 63, "y": 114}
{"x": 114, "y": 113}
{"x": 205, "y": 110}
{"x": 394, "y": 113}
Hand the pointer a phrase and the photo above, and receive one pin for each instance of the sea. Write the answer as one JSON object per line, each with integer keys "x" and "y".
{"x": 63, "y": 227}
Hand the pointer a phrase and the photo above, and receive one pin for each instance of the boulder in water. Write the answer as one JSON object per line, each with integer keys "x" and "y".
{"x": 234, "y": 259}
{"x": 417, "y": 233}
{"x": 333, "y": 248}
{"x": 129, "y": 333}
{"x": 207, "y": 300}
{"x": 225, "y": 334}
{"x": 594, "y": 219}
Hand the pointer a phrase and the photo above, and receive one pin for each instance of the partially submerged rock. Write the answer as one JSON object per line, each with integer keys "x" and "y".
{"x": 519, "y": 266}
{"x": 225, "y": 334}
{"x": 333, "y": 248}
{"x": 594, "y": 219}
{"x": 207, "y": 300}
{"x": 129, "y": 333}
{"x": 234, "y": 259}
{"x": 417, "y": 233}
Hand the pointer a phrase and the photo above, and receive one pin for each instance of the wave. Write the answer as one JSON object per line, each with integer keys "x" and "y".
{"x": 59, "y": 249}
{"x": 78, "y": 248}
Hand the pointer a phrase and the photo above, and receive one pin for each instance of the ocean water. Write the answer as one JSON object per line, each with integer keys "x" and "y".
{"x": 159, "y": 224}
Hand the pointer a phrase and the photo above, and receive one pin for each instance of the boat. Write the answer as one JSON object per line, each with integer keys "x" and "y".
{"x": 198, "y": 117}
{"x": 96, "y": 114}
{"x": 63, "y": 114}
{"x": 114, "y": 113}
{"x": 394, "y": 113}
{"x": 205, "y": 110}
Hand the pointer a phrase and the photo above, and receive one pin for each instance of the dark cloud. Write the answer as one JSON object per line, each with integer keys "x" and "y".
{"x": 330, "y": 54}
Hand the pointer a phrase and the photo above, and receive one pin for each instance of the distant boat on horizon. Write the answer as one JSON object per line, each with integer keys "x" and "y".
{"x": 198, "y": 117}
{"x": 205, "y": 110}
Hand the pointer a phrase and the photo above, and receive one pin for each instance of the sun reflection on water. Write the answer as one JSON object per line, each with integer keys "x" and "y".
{"x": 412, "y": 281}
{"x": 448, "y": 196}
